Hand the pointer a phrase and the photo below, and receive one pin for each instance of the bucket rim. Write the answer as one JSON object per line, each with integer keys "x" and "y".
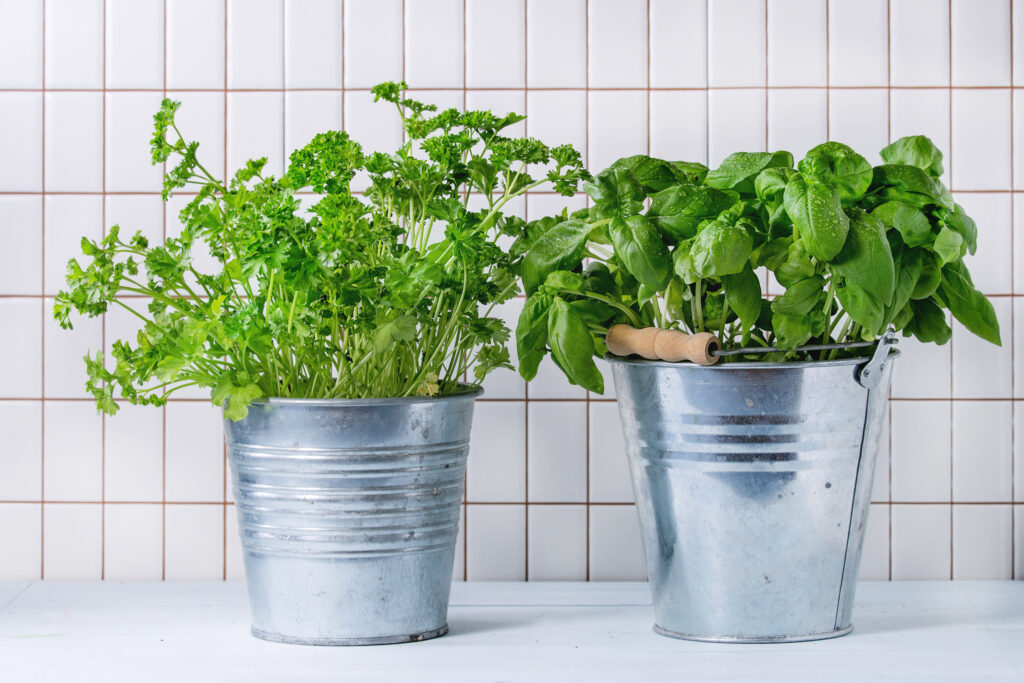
{"x": 745, "y": 365}
{"x": 466, "y": 391}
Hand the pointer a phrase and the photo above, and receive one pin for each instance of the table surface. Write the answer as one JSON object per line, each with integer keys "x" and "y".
{"x": 198, "y": 631}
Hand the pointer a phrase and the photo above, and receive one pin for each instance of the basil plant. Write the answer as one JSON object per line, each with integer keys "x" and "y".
{"x": 387, "y": 293}
{"x": 675, "y": 245}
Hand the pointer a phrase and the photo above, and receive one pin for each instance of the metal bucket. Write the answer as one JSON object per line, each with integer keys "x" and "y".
{"x": 348, "y": 512}
{"x": 752, "y": 483}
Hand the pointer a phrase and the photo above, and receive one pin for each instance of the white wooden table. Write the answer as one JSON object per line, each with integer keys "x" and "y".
{"x": 189, "y": 632}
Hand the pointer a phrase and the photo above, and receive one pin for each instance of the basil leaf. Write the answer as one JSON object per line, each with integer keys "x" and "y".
{"x": 865, "y": 259}
{"x": 678, "y": 210}
{"x": 911, "y": 179}
{"x": 908, "y": 220}
{"x": 801, "y": 297}
{"x": 929, "y": 279}
{"x": 915, "y": 150}
{"x": 928, "y": 323}
{"x": 949, "y": 246}
{"x": 563, "y": 280}
{"x": 532, "y": 334}
{"x": 738, "y": 170}
{"x": 720, "y": 249}
{"x": 968, "y": 305}
{"x": 863, "y": 308}
{"x": 838, "y": 165}
{"x": 653, "y": 174}
{"x": 560, "y": 248}
{"x": 963, "y": 224}
{"x": 572, "y": 347}
{"x": 743, "y": 293}
{"x": 639, "y": 246}
{"x": 790, "y": 330}
{"x": 911, "y": 263}
{"x": 817, "y": 216}
{"x": 796, "y": 266}
{"x": 616, "y": 192}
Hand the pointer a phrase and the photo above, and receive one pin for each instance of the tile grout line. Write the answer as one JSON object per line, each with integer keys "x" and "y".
{"x": 888, "y": 138}
{"x": 1013, "y": 344}
{"x": 828, "y": 71}
{"x": 103, "y": 319}
{"x": 952, "y": 360}
{"x": 586, "y": 155}
{"x": 577, "y": 503}
{"x": 526, "y": 386}
{"x": 163, "y": 408}
{"x": 42, "y": 321}
{"x": 568, "y": 88}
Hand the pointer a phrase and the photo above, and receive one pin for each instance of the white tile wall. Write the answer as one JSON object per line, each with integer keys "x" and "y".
{"x": 548, "y": 492}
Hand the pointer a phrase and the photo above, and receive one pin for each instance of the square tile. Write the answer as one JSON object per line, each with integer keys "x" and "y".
{"x": 981, "y": 42}
{"x": 982, "y": 542}
{"x": 21, "y": 138}
{"x": 921, "y": 542}
{"x": 23, "y": 317}
{"x": 195, "y": 453}
{"x": 736, "y": 43}
{"x": 616, "y": 551}
{"x": 21, "y": 44}
{"x": 495, "y": 43}
{"x": 860, "y": 119}
{"x": 858, "y": 43}
{"x": 617, "y": 127}
{"x": 617, "y": 36}
{"x": 72, "y": 541}
{"x": 921, "y": 451}
{"x": 992, "y": 266}
{"x": 980, "y": 369}
{"x": 194, "y": 542}
{"x": 736, "y": 123}
{"x": 922, "y": 112}
{"x": 255, "y": 44}
{"x": 21, "y": 242}
{"x": 923, "y": 370}
{"x": 201, "y": 119}
{"x": 129, "y": 130}
{"x": 235, "y": 559}
{"x": 495, "y": 542}
{"x": 133, "y": 543}
{"x": 433, "y": 43}
{"x": 610, "y": 480}
{"x": 74, "y": 142}
{"x": 558, "y": 118}
{"x": 72, "y": 451}
{"x": 372, "y": 27}
{"x": 255, "y": 129}
{"x": 874, "y": 559}
{"x": 64, "y": 351}
{"x": 556, "y": 43}
{"x": 797, "y": 120}
{"x": 134, "y": 213}
{"x": 21, "y": 468}
{"x": 21, "y": 532}
{"x": 74, "y": 43}
{"x": 134, "y": 454}
{"x": 69, "y": 218}
{"x": 309, "y": 113}
{"x": 797, "y": 43}
{"x": 557, "y": 457}
{"x": 135, "y": 44}
{"x": 679, "y": 125}
{"x": 982, "y": 451}
{"x": 195, "y": 44}
{"x": 919, "y": 40}
{"x": 497, "y": 464}
{"x": 679, "y": 43}
{"x": 981, "y": 140}
{"x": 313, "y": 43}
{"x": 558, "y": 542}
{"x": 505, "y": 383}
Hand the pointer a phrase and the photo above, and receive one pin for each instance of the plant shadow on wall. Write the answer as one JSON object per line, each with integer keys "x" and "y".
{"x": 357, "y": 298}
{"x": 674, "y": 245}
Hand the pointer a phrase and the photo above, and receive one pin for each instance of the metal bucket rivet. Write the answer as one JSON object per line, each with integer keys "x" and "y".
{"x": 348, "y": 512}
{"x": 752, "y": 484}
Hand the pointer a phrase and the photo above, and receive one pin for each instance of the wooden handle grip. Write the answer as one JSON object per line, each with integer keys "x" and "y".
{"x": 654, "y": 343}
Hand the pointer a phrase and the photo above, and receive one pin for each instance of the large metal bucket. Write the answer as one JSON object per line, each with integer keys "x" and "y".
{"x": 348, "y": 512}
{"x": 752, "y": 483}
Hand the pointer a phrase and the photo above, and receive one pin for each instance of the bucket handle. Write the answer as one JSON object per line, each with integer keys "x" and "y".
{"x": 871, "y": 374}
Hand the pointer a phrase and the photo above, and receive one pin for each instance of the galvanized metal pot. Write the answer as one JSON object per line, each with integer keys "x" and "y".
{"x": 752, "y": 484}
{"x": 348, "y": 512}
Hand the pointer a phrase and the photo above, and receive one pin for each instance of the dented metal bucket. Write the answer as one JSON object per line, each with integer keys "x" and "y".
{"x": 348, "y": 512}
{"x": 753, "y": 483}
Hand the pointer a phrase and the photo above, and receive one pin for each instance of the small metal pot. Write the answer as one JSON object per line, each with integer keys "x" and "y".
{"x": 348, "y": 512}
{"x": 752, "y": 484}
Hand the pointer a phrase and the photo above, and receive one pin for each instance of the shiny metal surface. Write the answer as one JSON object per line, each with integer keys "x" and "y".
{"x": 348, "y": 512}
{"x": 752, "y": 483}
